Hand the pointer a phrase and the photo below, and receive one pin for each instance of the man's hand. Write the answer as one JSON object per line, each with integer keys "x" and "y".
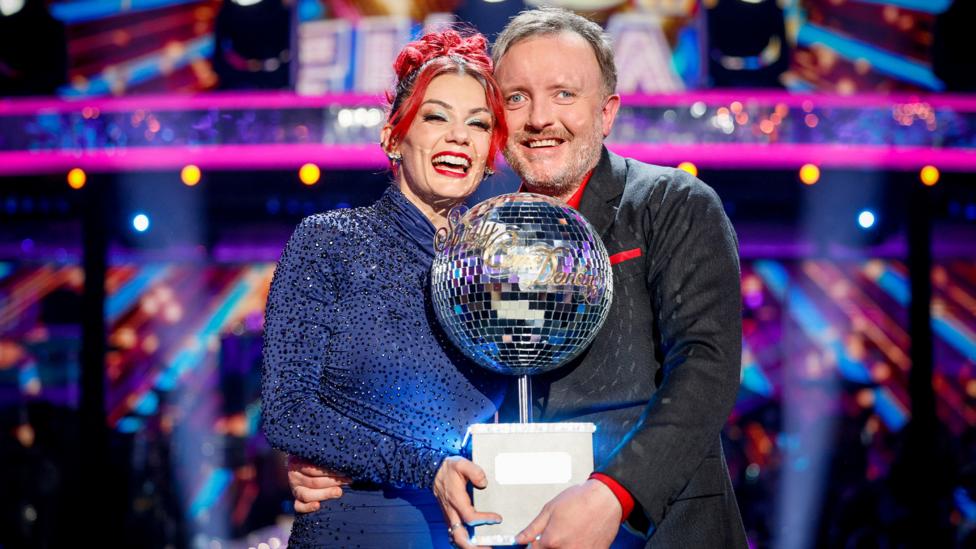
{"x": 311, "y": 484}
{"x": 586, "y": 516}
{"x": 451, "y": 489}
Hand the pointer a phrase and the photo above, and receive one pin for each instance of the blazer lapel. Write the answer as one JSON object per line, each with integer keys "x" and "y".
{"x": 602, "y": 194}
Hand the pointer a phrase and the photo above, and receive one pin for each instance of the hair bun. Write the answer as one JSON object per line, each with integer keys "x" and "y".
{"x": 472, "y": 48}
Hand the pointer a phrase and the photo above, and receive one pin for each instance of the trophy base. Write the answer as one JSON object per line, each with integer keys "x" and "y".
{"x": 527, "y": 464}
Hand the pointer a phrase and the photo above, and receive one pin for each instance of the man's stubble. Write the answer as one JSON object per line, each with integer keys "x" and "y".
{"x": 563, "y": 182}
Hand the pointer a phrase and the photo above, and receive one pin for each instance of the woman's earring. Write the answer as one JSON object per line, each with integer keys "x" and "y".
{"x": 394, "y": 157}
{"x": 488, "y": 172}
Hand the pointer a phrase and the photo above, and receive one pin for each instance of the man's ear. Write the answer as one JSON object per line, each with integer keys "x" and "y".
{"x": 609, "y": 113}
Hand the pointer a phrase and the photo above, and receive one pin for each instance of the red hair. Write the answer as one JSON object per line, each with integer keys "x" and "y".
{"x": 434, "y": 54}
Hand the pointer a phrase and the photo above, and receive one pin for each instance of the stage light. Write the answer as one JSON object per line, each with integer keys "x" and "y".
{"x": 11, "y": 7}
{"x": 929, "y": 175}
{"x": 190, "y": 175}
{"x": 309, "y": 174}
{"x": 866, "y": 219}
{"x": 140, "y": 222}
{"x": 689, "y": 167}
{"x": 246, "y": 3}
{"x": 752, "y": 471}
{"x": 809, "y": 174}
{"x": 25, "y": 435}
{"x": 77, "y": 178}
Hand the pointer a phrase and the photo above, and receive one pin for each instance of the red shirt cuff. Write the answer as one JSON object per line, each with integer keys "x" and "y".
{"x": 623, "y": 496}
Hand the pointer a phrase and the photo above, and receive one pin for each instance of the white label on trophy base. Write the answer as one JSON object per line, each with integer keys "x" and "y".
{"x": 527, "y": 464}
{"x": 533, "y": 468}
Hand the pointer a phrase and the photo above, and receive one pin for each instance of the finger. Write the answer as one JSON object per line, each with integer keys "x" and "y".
{"x": 455, "y": 530}
{"x": 326, "y": 482}
{"x": 302, "y": 507}
{"x": 458, "y": 499}
{"x": 461, "y": 538}
{"x": 309, "y": 469}
{"x": 459, "y": 535}
{"x": 309, "y": 495}
{"x": 461, "y": 504}
{"x": 299, "y": 479}
{"x": 535, "y": 528}
{"x": 472, "y": 472}
{"x": 333, "y": 476}
{"x": 477, "y": 518}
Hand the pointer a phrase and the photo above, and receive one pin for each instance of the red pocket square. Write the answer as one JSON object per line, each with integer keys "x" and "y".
{"x": 620, "y": 257}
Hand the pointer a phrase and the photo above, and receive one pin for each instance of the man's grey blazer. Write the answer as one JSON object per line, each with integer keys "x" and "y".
{"x": 662, "y": 375}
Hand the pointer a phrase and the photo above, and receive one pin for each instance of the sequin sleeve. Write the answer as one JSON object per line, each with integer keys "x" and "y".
{"x": 297, "y": 417}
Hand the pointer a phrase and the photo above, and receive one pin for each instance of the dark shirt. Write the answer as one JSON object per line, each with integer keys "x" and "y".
{"x": 358, "y": 375}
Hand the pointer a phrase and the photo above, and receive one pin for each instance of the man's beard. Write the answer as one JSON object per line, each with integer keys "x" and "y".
{"x": 583, "y": 156}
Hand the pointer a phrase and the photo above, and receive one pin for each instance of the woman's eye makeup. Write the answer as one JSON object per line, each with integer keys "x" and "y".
{"x": 431, "y": 116}
{"x": 479, "y": 123}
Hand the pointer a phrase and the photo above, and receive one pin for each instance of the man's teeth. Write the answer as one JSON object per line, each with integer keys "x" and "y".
{"x": 543, "y": 143}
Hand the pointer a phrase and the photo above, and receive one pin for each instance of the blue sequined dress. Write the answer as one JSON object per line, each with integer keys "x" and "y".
{"x": 359, "y": 378}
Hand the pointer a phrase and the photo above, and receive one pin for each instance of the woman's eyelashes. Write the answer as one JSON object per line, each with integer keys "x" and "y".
{"x": 480, "y": 123}
{"x": 437, "y": 117}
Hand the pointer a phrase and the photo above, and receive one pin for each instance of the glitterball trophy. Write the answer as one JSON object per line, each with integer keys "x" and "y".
{"x": 521, "y": 284}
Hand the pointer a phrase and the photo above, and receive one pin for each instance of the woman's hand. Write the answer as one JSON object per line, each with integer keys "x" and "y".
{"x": 451, "y": 489}
{"x": 311, "y": 484}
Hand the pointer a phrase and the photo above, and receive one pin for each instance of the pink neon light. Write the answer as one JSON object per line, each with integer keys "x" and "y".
{"x": 173, "y": 102}
{"x": 793, "y": 156}
{"x": 274, "y": 157}
{"x": 226, "y": 157}
{"x": 284, "y": 100}
{"x": 957, "y": 102}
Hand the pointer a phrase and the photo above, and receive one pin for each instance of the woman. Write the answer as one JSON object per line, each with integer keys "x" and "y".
{"x": 358, "y": 377}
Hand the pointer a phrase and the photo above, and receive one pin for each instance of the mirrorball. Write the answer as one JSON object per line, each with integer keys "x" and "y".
{"x": 521, "y": 283}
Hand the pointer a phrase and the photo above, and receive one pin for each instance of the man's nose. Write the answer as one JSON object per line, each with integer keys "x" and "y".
{"x": 541, "y": 115}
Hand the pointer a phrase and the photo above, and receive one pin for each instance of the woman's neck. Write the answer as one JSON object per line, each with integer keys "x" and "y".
{"x": 434, "y": 210}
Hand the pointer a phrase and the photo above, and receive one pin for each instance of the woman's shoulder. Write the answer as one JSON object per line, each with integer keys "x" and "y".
{"x": 341, "y": 223}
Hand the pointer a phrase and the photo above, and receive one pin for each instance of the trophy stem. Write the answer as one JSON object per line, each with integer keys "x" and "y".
{"x": 525, "y": 400}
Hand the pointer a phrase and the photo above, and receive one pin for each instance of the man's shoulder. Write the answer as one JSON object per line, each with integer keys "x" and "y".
{"x": 650, "y": 182}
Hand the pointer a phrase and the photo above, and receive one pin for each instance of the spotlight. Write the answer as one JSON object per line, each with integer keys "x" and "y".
{"x": 866, "y": 219}
{"x": 11, "y": 7}
{"x": 929, "y": 175}
{"x": 809, "y": 174}
{"x": 77, "y": 178}
{"x": 309, "y": 174}
{"x": 689, "y": 167}
{"x": 140, "y": 222}
{"x": 190, "y": 175}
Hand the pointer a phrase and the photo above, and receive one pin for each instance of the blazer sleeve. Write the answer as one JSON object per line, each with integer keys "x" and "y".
{"x": 694, "y": 282}
{"x": 297, "y": 419}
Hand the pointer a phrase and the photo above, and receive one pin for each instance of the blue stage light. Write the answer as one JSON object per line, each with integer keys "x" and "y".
{"x": 866, "y": 219}
{"x": 140, "y": 222}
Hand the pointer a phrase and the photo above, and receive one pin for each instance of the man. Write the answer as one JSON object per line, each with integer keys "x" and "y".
{"x": 661, "y": 377}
